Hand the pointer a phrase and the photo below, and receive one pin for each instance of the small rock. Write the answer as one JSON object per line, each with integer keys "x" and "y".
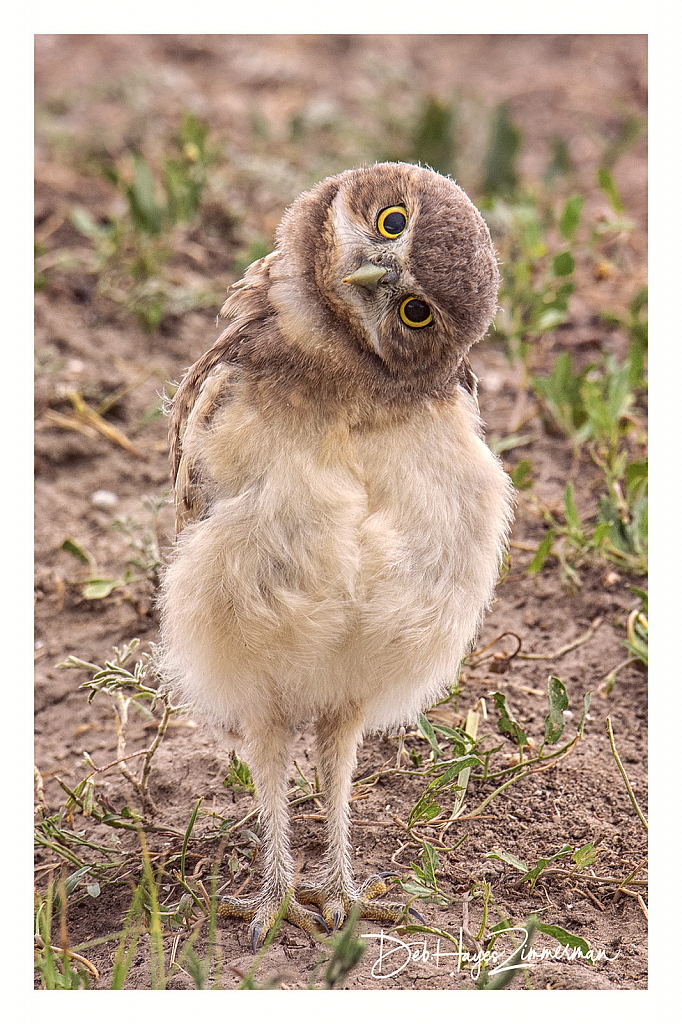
{"x": 104, "y": 499}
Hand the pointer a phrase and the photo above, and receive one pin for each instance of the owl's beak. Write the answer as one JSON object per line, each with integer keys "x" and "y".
{"x": 366, "y": 276}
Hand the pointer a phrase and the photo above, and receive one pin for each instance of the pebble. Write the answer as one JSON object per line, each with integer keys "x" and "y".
{"x": 104, "y": 499}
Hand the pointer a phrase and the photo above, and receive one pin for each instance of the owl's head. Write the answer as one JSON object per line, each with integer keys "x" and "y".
{"x": 401, "y": 256}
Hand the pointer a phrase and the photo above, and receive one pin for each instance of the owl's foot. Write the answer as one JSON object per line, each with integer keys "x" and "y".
{"x": 262, "y": 911}
{"x": 336, "y": 903}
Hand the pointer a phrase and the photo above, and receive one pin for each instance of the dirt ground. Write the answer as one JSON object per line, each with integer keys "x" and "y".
{"x": 122, "y": 92}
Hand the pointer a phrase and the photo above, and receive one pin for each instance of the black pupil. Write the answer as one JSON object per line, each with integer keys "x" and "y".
{"x": 416, "y": 311}
{"x": 394, "y": 222}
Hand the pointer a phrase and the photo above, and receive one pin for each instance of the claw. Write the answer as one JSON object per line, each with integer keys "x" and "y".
{"x": 322, "y": 923}
{"x": 255, "y": 932}
{"x": 415, "y": 913}
{"x": 338, "y": 918}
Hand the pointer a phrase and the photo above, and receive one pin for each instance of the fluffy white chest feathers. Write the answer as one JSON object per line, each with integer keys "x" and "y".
{"x": 337, "y": 564}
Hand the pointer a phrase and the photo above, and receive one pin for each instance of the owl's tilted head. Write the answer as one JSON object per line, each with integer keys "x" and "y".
{"x": 401, "y": 257}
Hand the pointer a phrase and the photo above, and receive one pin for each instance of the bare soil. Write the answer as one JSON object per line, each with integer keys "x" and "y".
{"x": 129, "y": 91}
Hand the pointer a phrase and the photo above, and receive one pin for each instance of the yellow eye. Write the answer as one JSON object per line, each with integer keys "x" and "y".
{"x": 415, "y": 312}
{"x": 392, "y": 221}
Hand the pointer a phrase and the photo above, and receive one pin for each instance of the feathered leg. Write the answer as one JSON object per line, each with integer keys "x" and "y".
{"x": 338, "y": 736}
{"x": 268, "y": 758}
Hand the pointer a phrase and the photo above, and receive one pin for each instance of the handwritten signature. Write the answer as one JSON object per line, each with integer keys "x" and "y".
{"x": 395, "y": 955}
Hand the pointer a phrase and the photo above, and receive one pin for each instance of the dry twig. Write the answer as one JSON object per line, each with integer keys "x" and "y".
{"x": 632, "y": 796}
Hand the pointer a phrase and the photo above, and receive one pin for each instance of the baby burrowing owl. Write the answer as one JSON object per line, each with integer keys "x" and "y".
{"x": 342, "y": 521}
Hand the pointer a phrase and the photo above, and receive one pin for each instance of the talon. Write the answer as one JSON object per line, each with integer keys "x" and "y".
{"x": 321, "y": 921}
{"x": 255, "y": 931}
{"x": 415, "y": 913}
{"x": 338, "y": 918}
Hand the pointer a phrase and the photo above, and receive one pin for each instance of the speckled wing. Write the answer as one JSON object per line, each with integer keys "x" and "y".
{"x": 208, "y": 385}
{"x": 192, "y": 488}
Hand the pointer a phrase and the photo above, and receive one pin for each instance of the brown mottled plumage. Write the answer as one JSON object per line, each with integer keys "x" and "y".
{"x": 341, "y": 518}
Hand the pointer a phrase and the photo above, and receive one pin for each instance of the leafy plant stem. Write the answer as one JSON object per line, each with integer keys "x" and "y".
{"x": 500, "y": 789}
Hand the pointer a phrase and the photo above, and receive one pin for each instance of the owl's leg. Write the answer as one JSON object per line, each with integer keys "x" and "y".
{"x": 269, "y": 763}
{"x": 337, "y": 742}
